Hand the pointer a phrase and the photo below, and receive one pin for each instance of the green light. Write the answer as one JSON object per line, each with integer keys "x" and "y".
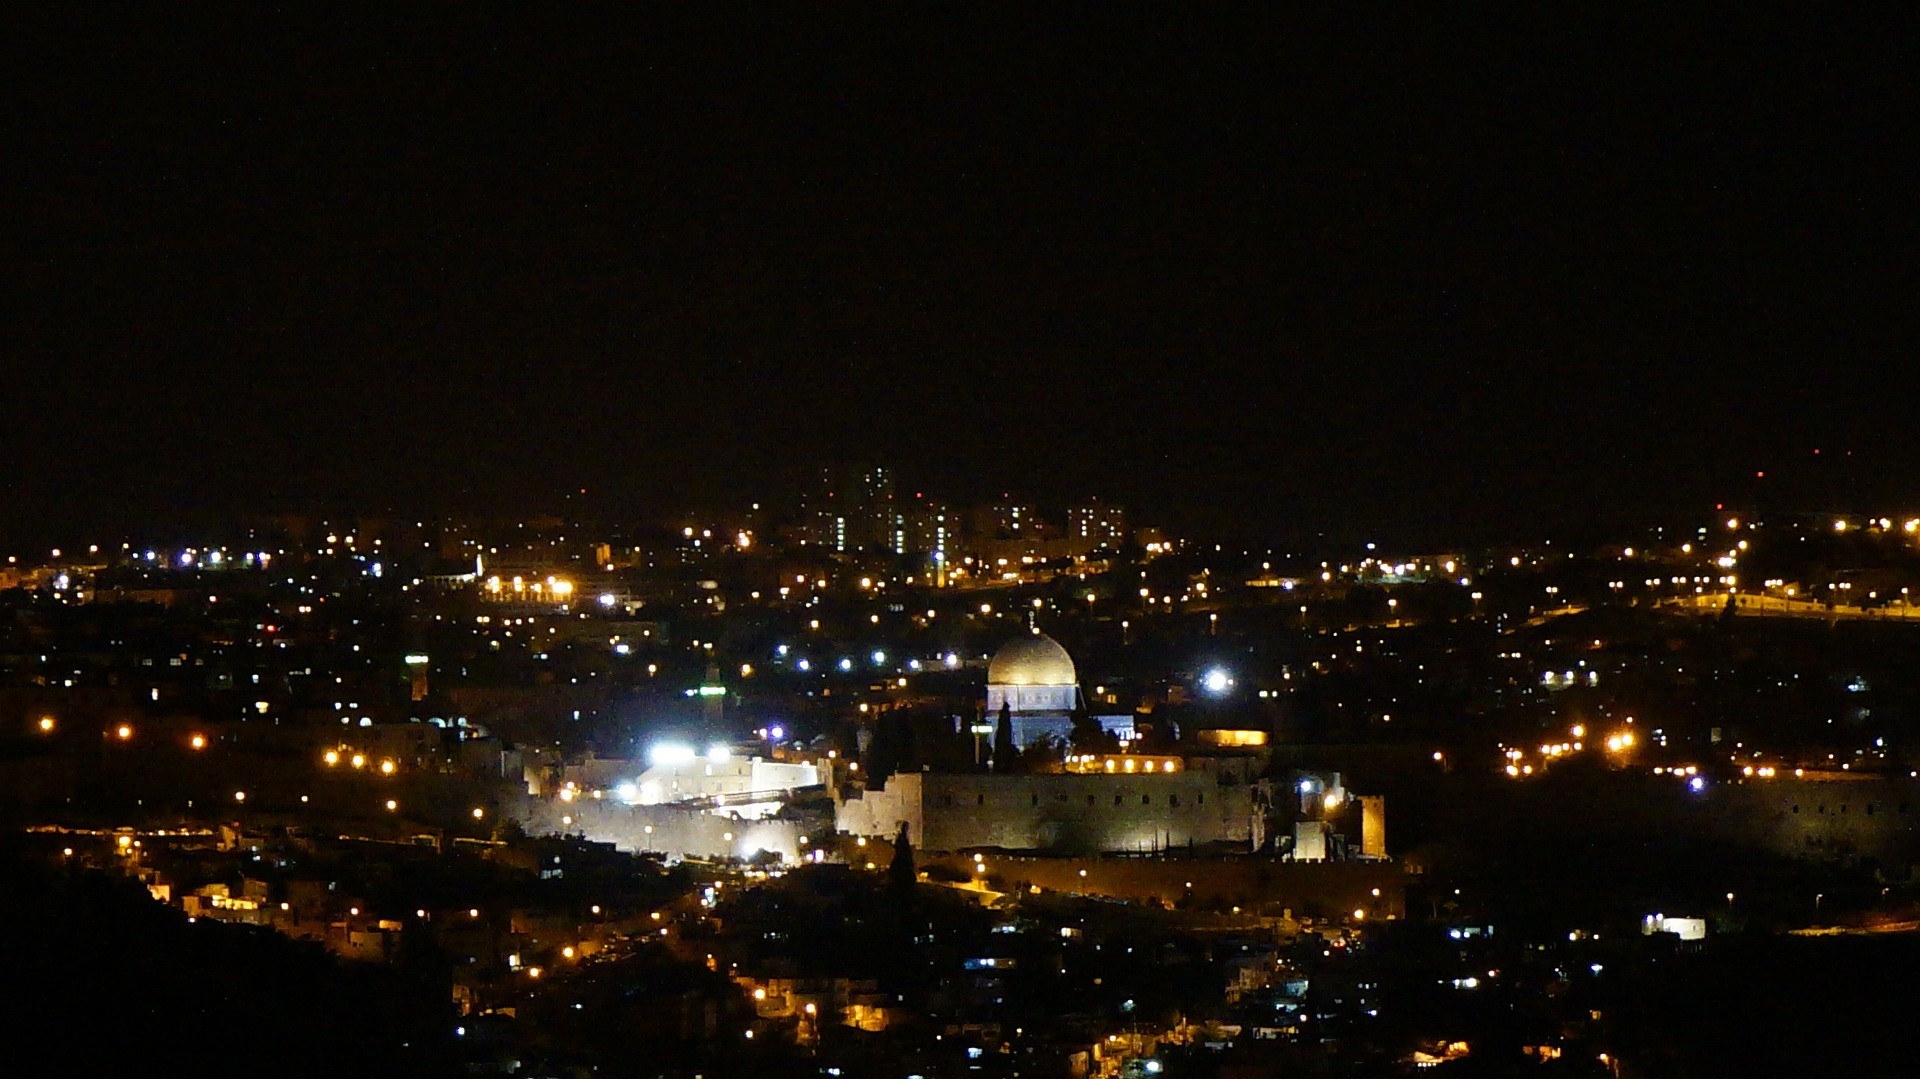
{"x": 415, "y": 659}
{"x": 713, "y": 691}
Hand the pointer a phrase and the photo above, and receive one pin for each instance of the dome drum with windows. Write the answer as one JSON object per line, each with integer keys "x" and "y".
{"x": 1035, "y": 678}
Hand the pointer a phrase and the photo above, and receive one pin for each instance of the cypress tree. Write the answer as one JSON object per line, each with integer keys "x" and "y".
{"x": 900, "y": 871}
{"x": 1006, "y": 755}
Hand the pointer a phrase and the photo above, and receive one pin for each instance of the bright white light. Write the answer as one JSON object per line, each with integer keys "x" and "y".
{"x": 846, "y": 665}
{"x": 952, "y": 660}
{"x": 1216, "y": 681}
{"x": 670, "y": 753}
{"x": 804, "y": 666}
{"x": 622, "y": 649}
{"x": 718, "y": 754}
{"x": 627, "y": 792}
{"x": 776, "y": 733}
{"x": 879, "y": 657}
{"x": 1697, "y": 784}
{"x": 607, "y": 600}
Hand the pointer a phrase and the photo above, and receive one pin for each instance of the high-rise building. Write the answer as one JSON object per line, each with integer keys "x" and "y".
{"x": 1007, "y": 519}
{"x": 931, "y": 529}
{"x": 853, "y": 508}
{"x": 1097, "y": 524}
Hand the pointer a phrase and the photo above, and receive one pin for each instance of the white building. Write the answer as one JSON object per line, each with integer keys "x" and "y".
{"x": 745, "y": 787}
{"x": 1035, "y": 677}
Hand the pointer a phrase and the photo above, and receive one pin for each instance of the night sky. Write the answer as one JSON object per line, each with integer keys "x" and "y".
{"x": 1365, "y": 274}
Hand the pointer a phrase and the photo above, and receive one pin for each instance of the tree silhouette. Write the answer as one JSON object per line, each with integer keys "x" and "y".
{"x": 1087, "y": 735}
{"x": 884, "y": 751}
{"x": 1045, "y": 754}
{"x": 900, "y": 871}
{"x": 1006, "y": 755}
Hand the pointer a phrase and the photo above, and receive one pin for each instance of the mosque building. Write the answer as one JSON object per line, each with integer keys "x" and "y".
{"x": 1034, "y": 678}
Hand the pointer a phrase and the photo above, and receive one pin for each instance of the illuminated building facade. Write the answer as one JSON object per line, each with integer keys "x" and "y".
{"x": 1034, "y": 677}
{"x": 853, "y": 509}
{"x": 746, "y": 787}
{"x": 1064, "y": 813}
{"x": 1097, "y": 524}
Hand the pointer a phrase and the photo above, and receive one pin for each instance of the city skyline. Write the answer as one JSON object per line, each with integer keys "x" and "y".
{"x": 1078, "y": 542}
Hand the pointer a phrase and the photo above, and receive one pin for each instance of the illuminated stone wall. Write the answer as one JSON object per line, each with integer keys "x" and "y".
{"x": 668, "y": 830}
{"x": 1066, "y": 813}
{"x": 1264, "y": 885}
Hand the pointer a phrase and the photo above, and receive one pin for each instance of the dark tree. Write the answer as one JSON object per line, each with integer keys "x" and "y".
{"x": 906, "y": 743}
{"x": 1087, "y": 735}
{"x": 1006, "y": 755}
{"x": 884, "y": 751}
{"x": 900, "y": 872}
{"x": 1046, "y": 754}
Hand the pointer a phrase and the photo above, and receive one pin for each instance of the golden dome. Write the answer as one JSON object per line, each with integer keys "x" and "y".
{"x": 1032, "y": 660}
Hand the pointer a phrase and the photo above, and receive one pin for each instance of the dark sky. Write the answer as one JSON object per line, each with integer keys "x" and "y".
{"x": 1425, "y": 276}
